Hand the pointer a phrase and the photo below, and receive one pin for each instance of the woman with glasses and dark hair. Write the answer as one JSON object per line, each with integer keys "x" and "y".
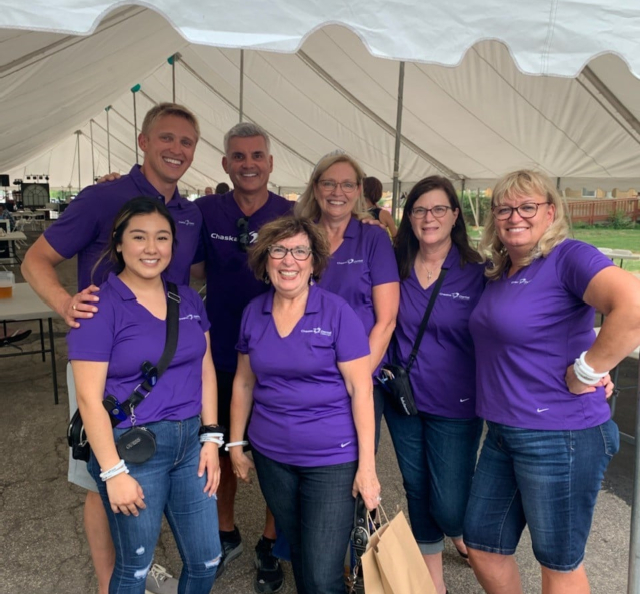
{"x": 108, "y": 354}
{"x": 436, "y": 449}
{"x": 362, "y": 267}
{"x": 543, "y": 384}
{"x": 304, "y": 379}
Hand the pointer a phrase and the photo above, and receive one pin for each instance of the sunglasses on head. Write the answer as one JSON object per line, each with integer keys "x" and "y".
{"x": 243, "y": 233}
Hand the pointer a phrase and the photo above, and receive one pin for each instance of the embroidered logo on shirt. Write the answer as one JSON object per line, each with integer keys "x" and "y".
{"x": 318, "y": 330}
{"x": 457, "y": 296}
{"x": 186, "y": 222}
{"x": 542, "y": 409}
{"x": 190, "y": 317}
{"x": 522, "y": 281}
{"x": 350, "y": 261}
{"x": 345, "y": 444}
{"x": 253, "y": 237}
{"x": 464, "y": 399}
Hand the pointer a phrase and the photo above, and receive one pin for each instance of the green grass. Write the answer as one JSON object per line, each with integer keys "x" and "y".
{"x": 616, "y": 239}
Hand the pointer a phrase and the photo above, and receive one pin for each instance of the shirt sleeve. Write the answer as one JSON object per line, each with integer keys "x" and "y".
{"x": 577, "y": 264}
{"x": 93, "y": 341}
{"x": 243, "y": 339}
{"x": 77, "y": 228}
{"x": 351, "y": 339}
{"x": 382, "y": 260}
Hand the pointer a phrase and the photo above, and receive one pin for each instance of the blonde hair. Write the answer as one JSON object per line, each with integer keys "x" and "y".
{"x": 307, "y": 206}
{"x": 168, "y": 109}
{"x": 517, "y": 184}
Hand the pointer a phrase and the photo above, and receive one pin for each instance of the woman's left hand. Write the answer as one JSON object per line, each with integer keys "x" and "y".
{"x": 577, "y": 387}
{"x": 367, "y": 485}
{"x": 210, "y": 463}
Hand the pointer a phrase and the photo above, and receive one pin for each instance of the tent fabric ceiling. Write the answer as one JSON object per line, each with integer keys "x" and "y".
{"x": 472, "y": 122}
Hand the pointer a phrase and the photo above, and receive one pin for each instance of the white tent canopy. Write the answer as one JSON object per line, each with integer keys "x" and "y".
{"x": 472, "y": 122}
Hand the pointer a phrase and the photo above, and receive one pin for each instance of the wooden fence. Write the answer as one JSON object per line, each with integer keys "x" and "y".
{"x": 596, "y": 211}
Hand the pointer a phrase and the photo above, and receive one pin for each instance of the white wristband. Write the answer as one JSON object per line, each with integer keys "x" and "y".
{"x": 585, "y": 373}
{"x": 119, "y": 468}
{"x": 233, "y": 444}
{"x": 217, "y": 438}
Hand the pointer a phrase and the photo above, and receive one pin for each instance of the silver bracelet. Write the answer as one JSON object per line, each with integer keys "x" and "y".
{"x": 217, "y": 438}
{"x": 233, "y": 444}
{"x": 119, "y": 468}
{"x": 585, "y": 373}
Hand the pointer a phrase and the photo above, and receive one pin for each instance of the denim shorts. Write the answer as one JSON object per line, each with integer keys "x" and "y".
{"x": 548, "y": 480}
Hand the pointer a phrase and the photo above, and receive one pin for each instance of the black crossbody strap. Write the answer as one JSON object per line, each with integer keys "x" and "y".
{"x": 425, "y": 319}
{"x": 170, "y": 345}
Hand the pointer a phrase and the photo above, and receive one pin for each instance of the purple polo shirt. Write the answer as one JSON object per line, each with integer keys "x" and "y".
{"x": 230, "y": 282}
{"x": 364, "y": 260}
{"x": 126, "y": 334}
{"x": 85, "y": 227}
{"x": 302, "y": 410}
{"x": 527, "y": 329}
{"x": 443, "y": 375}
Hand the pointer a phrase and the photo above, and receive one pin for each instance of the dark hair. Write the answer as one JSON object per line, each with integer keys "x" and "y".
{"x": 372, "y": 189}
{"x": 222, "y": 188}
{"x": 406, "y": 243}
{"x": 141, "y": 205}
{"x": 283, "y": 228}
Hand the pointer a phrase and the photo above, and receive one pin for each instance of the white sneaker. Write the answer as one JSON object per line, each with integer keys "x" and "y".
{"x": 159, "y": 581}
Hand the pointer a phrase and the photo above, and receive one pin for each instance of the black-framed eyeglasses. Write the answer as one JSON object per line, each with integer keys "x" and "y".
{"x": 528, "y": 210}
{"x": 438, "y": 211}
{"x": 329, "y": 185}
{"x": 300, "y": 252}
{"x": 244, "y": 239}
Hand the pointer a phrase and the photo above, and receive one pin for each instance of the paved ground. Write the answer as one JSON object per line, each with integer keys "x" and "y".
{"x": 42, "y": 544}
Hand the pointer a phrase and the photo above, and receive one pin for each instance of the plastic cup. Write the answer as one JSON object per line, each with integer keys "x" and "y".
{"x": 7, "y": 280}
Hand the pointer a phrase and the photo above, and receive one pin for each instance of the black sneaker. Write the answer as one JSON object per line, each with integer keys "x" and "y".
{"x": 231, "y": 548}
{"x": 269, "y": 577}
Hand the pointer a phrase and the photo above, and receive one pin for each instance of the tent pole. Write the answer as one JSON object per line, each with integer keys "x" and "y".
{"x": 78, "y": 132}
{"x": 107, "y": 108}
{"x": 172, "y": 61}
{"x": 241, "y": 102}
{"x": 134, "y": 90}
{"x": 396, "y": 156}
{"x": 93, "y": 160}
{"x": 633, "y": 584}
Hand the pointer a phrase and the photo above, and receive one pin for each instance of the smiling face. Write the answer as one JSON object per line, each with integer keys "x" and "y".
{"x": 146, "y": 246}
{"x": 168, "y": 150}
{"x": 290, "y": 277}
{"x": 520, "y": 235}
{"x": 248, "y": 164}
{"x": 432, "y": 231}
{"x": 336, "y": 203}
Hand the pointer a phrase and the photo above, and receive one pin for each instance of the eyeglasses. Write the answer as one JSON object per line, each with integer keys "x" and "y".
{"x": 437, "y": 211}
{"x": 528, "y": 210}
{"x": 329, "y": 185}
{"x": 244, "y": 239}
{"x": 300, "y": 252}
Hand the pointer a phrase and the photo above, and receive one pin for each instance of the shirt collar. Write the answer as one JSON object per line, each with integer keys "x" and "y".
{"x": 148, "y": 189}
{"x": 125, "y": 293}
{"x": 313, "y": 301}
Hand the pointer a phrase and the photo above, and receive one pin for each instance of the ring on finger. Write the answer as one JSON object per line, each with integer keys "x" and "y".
{"x": 73, "y": 307}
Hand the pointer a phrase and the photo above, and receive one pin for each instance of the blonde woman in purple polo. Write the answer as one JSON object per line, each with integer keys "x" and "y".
{"x": 542, "y": 387}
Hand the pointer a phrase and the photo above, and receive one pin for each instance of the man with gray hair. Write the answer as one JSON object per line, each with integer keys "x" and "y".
{"x": 230, "y": 224}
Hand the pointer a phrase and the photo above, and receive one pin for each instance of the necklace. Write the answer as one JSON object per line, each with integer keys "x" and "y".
{"x": 430, "y": 273}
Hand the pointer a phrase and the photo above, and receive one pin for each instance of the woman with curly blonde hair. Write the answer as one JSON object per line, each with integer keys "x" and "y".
{"x": 542, "y": 387}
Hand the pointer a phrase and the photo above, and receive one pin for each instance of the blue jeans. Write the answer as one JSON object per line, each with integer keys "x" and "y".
{"x": 547, "y": 479}
{"x": 171, "y": 486}
{"x": 437, "y": 457}
{"x": 314, "y": 508}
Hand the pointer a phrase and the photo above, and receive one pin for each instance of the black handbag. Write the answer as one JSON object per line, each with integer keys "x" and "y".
{"x": 137, "y": 444}
{"x": 394, "y": 378}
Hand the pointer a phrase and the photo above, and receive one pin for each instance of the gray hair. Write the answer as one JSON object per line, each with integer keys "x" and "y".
{"x": 246, "y": 130}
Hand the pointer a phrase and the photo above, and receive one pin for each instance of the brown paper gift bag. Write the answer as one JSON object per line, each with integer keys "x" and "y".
{"x": 393, "y": 563}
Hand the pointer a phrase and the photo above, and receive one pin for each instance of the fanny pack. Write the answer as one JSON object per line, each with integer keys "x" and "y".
{"x": 138, "y": 444}
{"x": 394, "y": 378}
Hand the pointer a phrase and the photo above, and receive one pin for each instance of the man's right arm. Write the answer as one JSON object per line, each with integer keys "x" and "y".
{"x": 38, "y": 269}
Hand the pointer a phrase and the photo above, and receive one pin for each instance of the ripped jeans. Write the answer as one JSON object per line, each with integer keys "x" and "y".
{"x": 171, "y": 486}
